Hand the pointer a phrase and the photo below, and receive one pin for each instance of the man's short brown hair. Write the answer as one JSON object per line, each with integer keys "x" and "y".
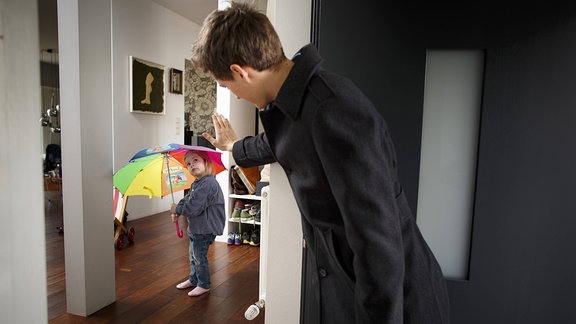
{"x": 239, "y": 35}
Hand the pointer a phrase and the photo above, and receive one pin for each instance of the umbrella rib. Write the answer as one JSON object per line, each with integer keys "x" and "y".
{"x": 169, "y": 176}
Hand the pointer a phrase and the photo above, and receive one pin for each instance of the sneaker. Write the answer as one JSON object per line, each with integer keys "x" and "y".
{"x": 245, "y": 215}
{"x": 255, "y": 238}
{"x": 254, "y": 209}
{"x": 230, "y": 238}
{"x": 235, "y": 217}
{"x": 237, "y": 240}
{"x": 245, "y": 238}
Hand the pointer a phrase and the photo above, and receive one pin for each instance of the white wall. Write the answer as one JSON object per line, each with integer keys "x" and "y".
{"x": 291, "y": 19}
{"x": 86, "y": 114}
{"x": 148, "y": 31}
{"x": 22, "y": 243}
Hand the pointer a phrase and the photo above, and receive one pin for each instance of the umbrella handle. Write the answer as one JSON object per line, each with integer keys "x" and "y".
{"x": 178, "y": 231}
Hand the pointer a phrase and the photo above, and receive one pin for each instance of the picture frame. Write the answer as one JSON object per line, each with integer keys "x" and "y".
{"x": 176, "y": 81}
{"x": 146, "y": 87}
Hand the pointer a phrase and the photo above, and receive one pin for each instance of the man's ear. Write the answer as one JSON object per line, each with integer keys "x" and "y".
{"x": 240, "y": 71}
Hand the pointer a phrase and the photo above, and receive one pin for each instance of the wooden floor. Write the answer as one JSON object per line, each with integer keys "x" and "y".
{"x": 148, "y": 270}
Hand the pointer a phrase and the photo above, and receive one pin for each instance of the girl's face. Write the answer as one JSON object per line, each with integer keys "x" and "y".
{"x": 195, "y": 164}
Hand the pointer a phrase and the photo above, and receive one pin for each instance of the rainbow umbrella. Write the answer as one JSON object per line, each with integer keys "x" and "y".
{"x": 156, "y": 175}
{"x": 178, "y": 151}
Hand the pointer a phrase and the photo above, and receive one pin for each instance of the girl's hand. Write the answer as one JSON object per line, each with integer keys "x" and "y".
{"x": 174, "y": 218}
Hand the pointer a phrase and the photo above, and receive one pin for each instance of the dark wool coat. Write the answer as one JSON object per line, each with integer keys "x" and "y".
{"x": 369, "y": 261}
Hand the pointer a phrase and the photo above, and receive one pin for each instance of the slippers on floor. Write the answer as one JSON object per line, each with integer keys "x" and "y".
{"x": 198, "y": 291}
{"x": 185, "y": 285}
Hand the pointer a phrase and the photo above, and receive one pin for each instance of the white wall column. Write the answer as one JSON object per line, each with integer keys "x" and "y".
{"x": 85, "y": 46}
{"x": 22, "y": 243}
{"x": 291, "y": 19}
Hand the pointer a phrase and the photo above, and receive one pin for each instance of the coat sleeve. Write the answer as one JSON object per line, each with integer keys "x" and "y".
{"x": 253, "y": 151}
{"x": 358, "y": 158}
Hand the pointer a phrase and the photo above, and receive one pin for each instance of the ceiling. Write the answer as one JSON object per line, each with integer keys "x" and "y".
{"x": 193, "y": 10}
{"x": 48, "y": 27}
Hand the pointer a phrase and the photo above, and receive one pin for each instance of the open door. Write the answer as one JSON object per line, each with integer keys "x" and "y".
{"x": 520, "y": 267}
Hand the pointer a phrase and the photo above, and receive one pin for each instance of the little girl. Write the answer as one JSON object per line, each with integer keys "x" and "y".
{"x": 203, "y": 207}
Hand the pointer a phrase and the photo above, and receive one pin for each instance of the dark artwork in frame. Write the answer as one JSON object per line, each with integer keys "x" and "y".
{"x": 176, "y": 81}
{"x": 147, "y": 87}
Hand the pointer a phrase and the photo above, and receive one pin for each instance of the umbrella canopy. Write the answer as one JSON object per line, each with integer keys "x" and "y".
{"x": 178, "y": 151}
{"x": 156, "y": 175}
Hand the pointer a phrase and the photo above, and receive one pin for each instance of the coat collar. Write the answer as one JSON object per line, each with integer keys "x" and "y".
{"x": 293, "y": 90}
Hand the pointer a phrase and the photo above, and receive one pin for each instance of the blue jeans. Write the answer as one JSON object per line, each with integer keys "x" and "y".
{"x": 199, "y": 271}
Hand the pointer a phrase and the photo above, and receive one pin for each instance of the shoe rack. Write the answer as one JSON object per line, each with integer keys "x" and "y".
{"x": 244, "y": 222}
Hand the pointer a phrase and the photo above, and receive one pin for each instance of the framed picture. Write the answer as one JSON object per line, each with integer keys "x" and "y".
{"x": 146, "y": 87}
{"x": 175, "y": 81}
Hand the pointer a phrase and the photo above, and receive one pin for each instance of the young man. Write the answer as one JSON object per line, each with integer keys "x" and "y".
{"x": 370, "y": 260}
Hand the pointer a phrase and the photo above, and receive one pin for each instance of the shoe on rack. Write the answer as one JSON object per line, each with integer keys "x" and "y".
{"x": 230, "y": 238}
{"x": 255, "y": 238}
{"x": 245, "y": 238}
{"x": 238, "y": 204}
{"x": 245, "y": 215}
{"x": 237, "y": 239}
{"x": 235, "y": 217}
{"x": 254, "y": 209}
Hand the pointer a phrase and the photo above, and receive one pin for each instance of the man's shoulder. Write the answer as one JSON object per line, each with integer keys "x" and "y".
{"x": 325, "y": 85}
{"x": 320, "y": 87}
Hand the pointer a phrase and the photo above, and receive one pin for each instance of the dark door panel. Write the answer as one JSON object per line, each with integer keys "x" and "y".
{"x": 522, "y": 265}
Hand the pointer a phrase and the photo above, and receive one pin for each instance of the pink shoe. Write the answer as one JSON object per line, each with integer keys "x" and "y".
{"x": 198, "y": 291}
{"x": 185, "y": 285}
